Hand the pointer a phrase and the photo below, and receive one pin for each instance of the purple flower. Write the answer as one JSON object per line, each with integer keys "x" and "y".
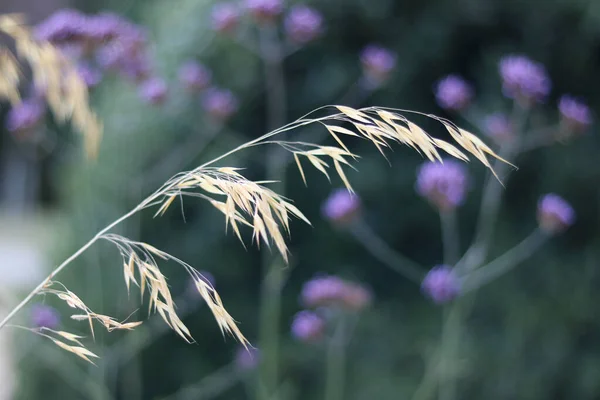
{"x": 303, "y": 24}
{"x": 89, "y": 74}
{"x": 453, "y": 93}
{"x": 154, "y": 91}
{"x": 225, "y": 17}
{"x": 523, "y": 79}
{"x": 308, "y": 326}
{"x": 499, "y": 127}
{"x": 377, "y": 63}
{"x": 341, "y": 206}
{"x": 194, "y": 76}
{"x": 43, "y": 316}
{"x": 356, "y": 297}
{"x": 64, "y": 25}
{"x": 576, "y": 114}
{"x": 441, "y": 284}
{"x": 323, "y": 291}
{"x": 25, "y": 116}
{"x": 264, "y": 10}
{"x": 443, "y": 184}
{"x": 219, "y": 103}
{"x": 247, "y": 358}
{"x": 554, "y": 213}
{"x": 106, "y": 26}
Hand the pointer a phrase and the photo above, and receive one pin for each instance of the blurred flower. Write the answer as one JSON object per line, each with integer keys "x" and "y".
{"x": 225, "y": 17}
{"x": 105, "y": 26}
{"x": 326, "y": 291}
{"x": 153, "y": 91}
{"x": 25, "y": 116}
{"x": 441, "y": 284}
{"x": 194, "y": 76}
{"x": 247, "y": 358}
{"x": 264, "y": 10}
{"x": 219, "y": 103}
{"x": 576, "y": 114}
{"x": 341, "y": 206}
{"x": 303, "y": 24}
{"x": 499, "y": 127}
{"x": 43, "y": 316}
{"x": 356, "y": 297}
{"x": 308, "y": 326}
{"x": 443, "y": 184}
{"x": 453, "y": 93}
{"x": 63, "y": 26}
{"x": 554, "y": 213}
{"x": 377, "y": 63}
{"x": 523, "y": 79}
{"x": 90, "y": 74}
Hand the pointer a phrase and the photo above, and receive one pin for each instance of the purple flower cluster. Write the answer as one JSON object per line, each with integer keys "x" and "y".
{"x": 264, "y": 10}
{"x": 307, "y": 326}
{"x": 378, "y": 62}
{"x": 220, "y": 104}
{"x": 453, "y": 93}
{"x": 225, "y": 17}
{"x": 576, "y": 114}
{"x": 25, "y": 116}
{"x": 441, "y": 284}
{"x": 328, "y": 291}
{"x": 443, "y": 184}
{"x": 523, "y": 79}
{"x": 90, "y": 74}
{"x": 153, "y": 91}
{"x": 554, "y": 213}
{"x": 341, "y": 206}
{"x": 499, "y": 127}
{"x": 43, "y": 316}
{"x": 194, "y": 76}
{"x": 303, "y": 24}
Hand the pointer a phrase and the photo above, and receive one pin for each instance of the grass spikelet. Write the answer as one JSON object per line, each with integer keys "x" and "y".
{"x": 65, "y": 91}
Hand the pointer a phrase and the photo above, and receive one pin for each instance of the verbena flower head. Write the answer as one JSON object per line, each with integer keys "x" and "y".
{"x": 303, "y": 24}
{"x": 225, "y": 17}
{"x": 43, "y": 316}
{"x": 63, "y": 26}
{"x": 356, "y": 297}
{"x": 443, "y": 184}
{"x": 194, "y": 76}
{"x": 575, "y": 114}
{"x": 341, "y": 206}
{"x": 453, "y": 93}
{"x": 105, "y": 26}
{"x": 219, "y": 103}
{"x": 308, "y": 326}
{"x": 264, "y": 10}
{"x": 499, "y": 127}
{"x": 554, "y": 213}
{"x": 91, "y": 75}
{"x": 25, "y": 116}
{"x": 247, "y": 359}
{"x": 153, "y": 91}
{"x": 332, "y": 291}
{"x": 523, "y": 79}
{"x": 441, "y": 284}
{"x": 378, "y": 62}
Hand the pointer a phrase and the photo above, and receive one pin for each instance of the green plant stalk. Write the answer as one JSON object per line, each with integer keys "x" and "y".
{"x": 336, "y": 362}
{"x": 272, "y": 266}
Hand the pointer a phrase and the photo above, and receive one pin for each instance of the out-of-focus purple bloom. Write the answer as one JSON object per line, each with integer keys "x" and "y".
{"x": 341, "y": 206}
{"x": 453, "y": 93}
{"x": 25, "y": 115}
{"x": 554, "y": 213}
{"x": 575, "y": 113}
{"x": 225, "y": 17}
{"x": 444, "y": 185}
{"x": 441, "y": 284}
{"x": 378, "y": 62}
{"x": 105, "y": 26}
{"x": 194, "y": 76}
{"x": 356, "y": 297}
{"x": 90, "y": 74}
{"x": 308, "y": 326}
{"x": 264, "y": 10}
{"x": 153, "y": 91}
{"x": 499, "y": 127}
{"x": 43, "y": 316}
{"x": 219, "y": 103}
{"x": 523, "y": 79}
{"x": 247, "y": 359}
{"x": 327, "y": 291}
{"x": 64, "y": 25}
{"x": 303, "y": 24}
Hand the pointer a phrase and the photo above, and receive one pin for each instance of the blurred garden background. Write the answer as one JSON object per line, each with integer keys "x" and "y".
{"x": 208, "y": 76}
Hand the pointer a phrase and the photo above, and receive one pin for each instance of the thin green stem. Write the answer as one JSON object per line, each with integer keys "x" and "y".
{"x": 365, "y": 236}
{"x": 336, "y": 362}
{"x": 450, "y": 236}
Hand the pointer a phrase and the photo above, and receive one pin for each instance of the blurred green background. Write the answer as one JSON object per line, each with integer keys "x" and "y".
{"x": 533, "y": 334}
